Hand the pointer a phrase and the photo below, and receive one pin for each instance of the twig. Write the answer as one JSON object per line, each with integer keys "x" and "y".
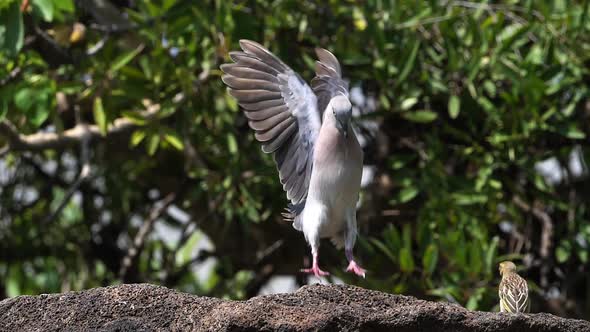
{"x": 4, "y": 151}
{"x": 83, "y": 175}
{"x": 261, "y": 256}
{"x": 488, "y": 6}
{"x": 11, "y": 76}
{"x": 430, "y": 20}
{"x": 114, "y": 28}
{"x": 416, "y": 146}
{"x": 156, "y": 212}
{"x": 98, "y": 46}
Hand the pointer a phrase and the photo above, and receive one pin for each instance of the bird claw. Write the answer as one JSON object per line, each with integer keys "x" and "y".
{"x": 316, "y": 271}
{"x": 356, "y": 269}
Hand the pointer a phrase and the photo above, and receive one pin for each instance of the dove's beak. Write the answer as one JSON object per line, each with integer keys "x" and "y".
{"x": 342, "y": 128}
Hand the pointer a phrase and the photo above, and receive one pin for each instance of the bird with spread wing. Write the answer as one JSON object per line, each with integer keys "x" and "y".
{"x": 308, "y": 130}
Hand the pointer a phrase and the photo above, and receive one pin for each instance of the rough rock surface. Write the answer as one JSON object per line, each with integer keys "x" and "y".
{"x": 144, "y": 307}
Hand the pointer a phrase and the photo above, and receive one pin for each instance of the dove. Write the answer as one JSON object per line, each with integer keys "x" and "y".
{"x": 308, "y": 130}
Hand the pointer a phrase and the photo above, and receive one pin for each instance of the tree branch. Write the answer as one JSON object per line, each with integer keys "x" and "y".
{"x": 546, "y": 232}
{"x": 546, "y": 223}
{"x": 42, "y": 140}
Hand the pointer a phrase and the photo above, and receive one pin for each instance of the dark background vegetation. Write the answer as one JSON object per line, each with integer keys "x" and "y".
{"x": 123, "y": 159}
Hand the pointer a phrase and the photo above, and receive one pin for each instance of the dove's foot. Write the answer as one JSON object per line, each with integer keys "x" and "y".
{"x": 356, "y": 269}
{"x": 315, "y": 269}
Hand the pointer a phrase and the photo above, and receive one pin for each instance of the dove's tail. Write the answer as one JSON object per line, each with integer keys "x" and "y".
{"x": 293, "y": 214}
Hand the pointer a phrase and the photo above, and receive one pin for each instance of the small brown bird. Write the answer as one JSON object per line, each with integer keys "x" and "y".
{"x": 513, "y": 290}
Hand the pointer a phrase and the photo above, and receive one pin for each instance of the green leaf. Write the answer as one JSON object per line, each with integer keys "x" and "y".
{"x": 384, "y": 101}
{"x": 43, "y": 8}
{"x": 135, "y": 117}
{"x": 454, "y": 106}
{"x": 490, "y": 88}
{"x": 392, "y": 237}
{"x": 583, "y": 255}
{"x": 408, "y": 103}
{"x": 174, "y": 140}
{"x": 474, "y": 253}
{"x": 360, "y": 23}
{"x": 153, "y": 143}
{"x": 100, "y": 117}
{"x": 137, "y": 137}
{"x": 407, "y": 194}
{"x": 430, "y": 259}
{"x": 407, "y": 236}
{"x": 409, "y": 62}
{"x": 574, "y": 133}
{"x": 508, "y": 37}
{"x": 185, "y": 253}
{"x": 406, "y": 261}
{"x": 563, "y": 252}
{"x": 24, "y": 99}
{"x": 474, "y": 299}
{"x": 64, "y": 5}
{"x": 12, "y": 30}
{"x": 145, "y": 65}
{"x": 39, "y": 114}
{"x": 491, "y": 254}
{"x": 446, "y": 292}
{"x": 35, "y": 103}
{"x": 3, "y": 108}
{"x": 469, "y": 199}
{"x": 13, "y": 287}
{"x": 384, "y": 249}
{"x": 232, "y": 144}
{"x": 421, "y": 116}
{"x": 252, "y": 213}
{"x": 125, "y": 58}
{"x": 535, "y": 55}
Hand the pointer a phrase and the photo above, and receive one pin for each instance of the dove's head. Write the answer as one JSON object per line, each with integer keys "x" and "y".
{"x": 341, "y": 107}
{"x": 507, "y": 267}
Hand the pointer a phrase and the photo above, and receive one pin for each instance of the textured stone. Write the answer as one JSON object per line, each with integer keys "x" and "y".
{"x": 144, "y": 307}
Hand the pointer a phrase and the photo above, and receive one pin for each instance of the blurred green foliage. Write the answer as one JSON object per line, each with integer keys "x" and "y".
{"x": 469, "y": 98}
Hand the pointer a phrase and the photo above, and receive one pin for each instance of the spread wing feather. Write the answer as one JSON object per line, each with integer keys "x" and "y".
{"x": 282, "y": 110}
{"x": 328, "y": 81}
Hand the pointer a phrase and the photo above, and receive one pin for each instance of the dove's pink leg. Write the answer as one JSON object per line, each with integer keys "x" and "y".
{"x": 353, "y": 266}
{"x": 315, "y": 268}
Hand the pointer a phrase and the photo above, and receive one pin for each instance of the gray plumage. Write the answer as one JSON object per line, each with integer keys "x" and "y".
{"x": 308, "y": 131}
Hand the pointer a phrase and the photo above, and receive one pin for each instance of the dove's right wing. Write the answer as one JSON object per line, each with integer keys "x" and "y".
{"x": 282, "y": 110}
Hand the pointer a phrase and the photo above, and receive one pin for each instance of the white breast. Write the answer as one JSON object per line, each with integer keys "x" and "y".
{"x": 335, "y": 179}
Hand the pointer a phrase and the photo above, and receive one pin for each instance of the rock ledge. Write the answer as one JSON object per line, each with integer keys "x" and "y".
{"x": 145, "y": 307}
